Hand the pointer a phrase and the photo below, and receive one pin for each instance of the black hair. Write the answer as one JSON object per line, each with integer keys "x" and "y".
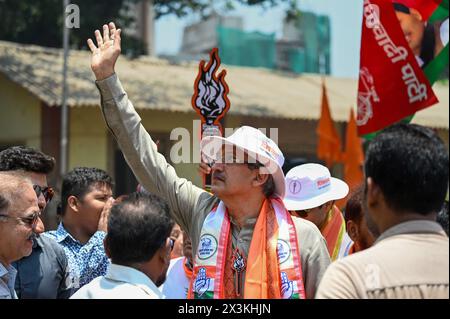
{"x": 353, "y": 207}
{"x": 409, "y": 163}
{"x": 78, "y": 182}
{"x": 137, "y": 228}
{"x": 27, "y": 159}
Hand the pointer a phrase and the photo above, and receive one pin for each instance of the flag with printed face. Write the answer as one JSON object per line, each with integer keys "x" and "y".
{"x": 392, "y": 85}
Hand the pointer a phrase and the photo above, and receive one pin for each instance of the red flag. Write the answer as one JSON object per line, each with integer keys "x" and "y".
{"x": 391, "y": 83}
{"x": 329, "y": 144}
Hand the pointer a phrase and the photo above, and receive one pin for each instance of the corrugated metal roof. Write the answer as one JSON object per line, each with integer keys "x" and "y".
{"x": 155, "y": 84}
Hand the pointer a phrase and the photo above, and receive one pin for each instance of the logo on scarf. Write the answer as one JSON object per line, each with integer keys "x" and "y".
{"x": 283, "y": 251}
{"x": 287, "y": 286}
{"x": 201, "y": 284}
{"x": 207, "y": 246}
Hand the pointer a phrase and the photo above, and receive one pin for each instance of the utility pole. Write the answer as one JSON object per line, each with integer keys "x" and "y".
{"x": 64, "y": 107}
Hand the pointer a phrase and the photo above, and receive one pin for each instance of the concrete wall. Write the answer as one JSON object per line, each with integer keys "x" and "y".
{"x": 87, "y": 138}
{"x": 20, "y": 115}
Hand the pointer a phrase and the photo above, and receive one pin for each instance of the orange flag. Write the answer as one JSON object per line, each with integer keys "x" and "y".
{"x": 329, "y": 144}
{"x": 353, "y": 156}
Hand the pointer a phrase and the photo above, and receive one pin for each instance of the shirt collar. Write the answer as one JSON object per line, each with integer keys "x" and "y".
{"x": 132, "y": 276}
{"x": 8, "y": 270}
{"x": 413, "y": 227}
{"x": 61, "y": 234}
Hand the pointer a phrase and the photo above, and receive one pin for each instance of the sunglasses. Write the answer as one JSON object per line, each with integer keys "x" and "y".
{"x": 47, "y": 192}
{"x": 304, "y": 213}
{"x": 29, "y": 220}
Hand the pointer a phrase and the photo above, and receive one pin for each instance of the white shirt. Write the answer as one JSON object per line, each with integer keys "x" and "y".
{"x": 120, "y": 282}
{"x": 346, "y": 244}
{"x": 176, "y": 285}
{"x": 7, "y": 279}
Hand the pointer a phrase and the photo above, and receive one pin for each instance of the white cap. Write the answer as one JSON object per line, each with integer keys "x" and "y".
{"x": 257, "y": 145}
{"x": 311, "y": 185}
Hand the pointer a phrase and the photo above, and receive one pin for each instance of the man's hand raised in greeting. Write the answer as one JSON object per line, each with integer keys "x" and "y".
{"x": 107, "y": 51}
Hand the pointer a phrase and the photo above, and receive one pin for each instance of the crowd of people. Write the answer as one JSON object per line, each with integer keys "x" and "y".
{"x": 258, "y": 234}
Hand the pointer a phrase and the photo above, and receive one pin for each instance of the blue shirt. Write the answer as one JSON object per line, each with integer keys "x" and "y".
{"x": 43, "y": 274}
{"x": 7, "y": 278}
{"x": 87, "y": 261}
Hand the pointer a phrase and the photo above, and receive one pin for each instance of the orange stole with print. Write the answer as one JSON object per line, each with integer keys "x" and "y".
{"x": 334, "y": 231}
{"x": 273, "y": 266}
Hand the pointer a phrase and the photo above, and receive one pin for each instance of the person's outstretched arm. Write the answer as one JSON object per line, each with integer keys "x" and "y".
{"x": 150, "y": 168}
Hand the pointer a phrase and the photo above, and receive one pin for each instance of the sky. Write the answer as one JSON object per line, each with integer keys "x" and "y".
{"x": 345, "y": 18}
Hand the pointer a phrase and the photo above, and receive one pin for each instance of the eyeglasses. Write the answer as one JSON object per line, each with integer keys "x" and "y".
{"x": 29, "y": 220}
{"x": 172, "y": 243}
{"x": 47, "y": 192}
{"x": 231, "y": 159}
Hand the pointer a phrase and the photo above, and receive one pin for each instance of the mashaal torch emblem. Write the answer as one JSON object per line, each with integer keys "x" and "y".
{"x": 210, "y": 99}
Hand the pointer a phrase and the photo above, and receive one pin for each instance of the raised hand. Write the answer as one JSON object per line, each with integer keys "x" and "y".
{"x": 107, "y": 51}
{"x": 103, "y": 221}
{"x": 204, "y": 168}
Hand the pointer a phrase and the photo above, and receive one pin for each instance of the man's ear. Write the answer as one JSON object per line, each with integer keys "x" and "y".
{"x": 352, "y": 230}
{"x": 416, "y": 14}
{"x": 374, "y": 195}
{"x": 260, "y": 179}
{"x": 72, "y": 202}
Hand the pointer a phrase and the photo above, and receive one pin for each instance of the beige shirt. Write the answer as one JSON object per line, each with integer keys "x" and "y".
{"x": 409, "y": 260}
{"x": 190, "y": 204}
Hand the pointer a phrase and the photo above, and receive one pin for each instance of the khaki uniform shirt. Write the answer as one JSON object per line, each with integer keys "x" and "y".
{"x": 409, "y": 260}
{"x": 190, "y": 204}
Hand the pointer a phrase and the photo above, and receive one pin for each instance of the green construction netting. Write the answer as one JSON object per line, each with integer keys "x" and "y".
{"x": 237, "y": 47}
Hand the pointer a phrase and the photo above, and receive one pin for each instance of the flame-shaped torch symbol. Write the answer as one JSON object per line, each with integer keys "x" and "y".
{"x": 210, "y": 99}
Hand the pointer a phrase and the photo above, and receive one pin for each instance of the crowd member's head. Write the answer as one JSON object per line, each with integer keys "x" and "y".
{"x": 311, "y": 192}
{"x": 406, "y": 175}
{"x": 36, "y": 166}
{"x": 84, "y": 193}
{"x": 356, "y": 223}
{"x": 177, "y": 236}
{"x": 247, "y": 164}
{"x": 187, "y": 248}
{"x": 442, "y": 217}
{"x": 19, "y": 213}
{"x": 139, "y": 235}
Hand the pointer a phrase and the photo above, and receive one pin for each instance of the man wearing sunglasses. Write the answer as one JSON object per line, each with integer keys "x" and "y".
{"x": 139, "y": 258}
{"x": 44, "y": 274}
{"x": 19, "y": 214}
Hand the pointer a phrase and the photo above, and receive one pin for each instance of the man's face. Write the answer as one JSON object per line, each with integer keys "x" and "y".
{"x": 231, "y": 175}
{"x": 413, "y": 27}
{"x": 166, "y": 262}
{"x": 176, "y": 234}
{"x": 366, "y": 238}
{"x": 40, "y": 180}
{"x": 18, "y": 230}
{"x": 316, "y": 215}
{"x": 92, "y": 204}
{"x": 187, "y": 247}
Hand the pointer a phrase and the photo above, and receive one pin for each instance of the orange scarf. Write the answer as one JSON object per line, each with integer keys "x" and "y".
{"x": 334, "y": 231}
{"x": 273, "y": 263}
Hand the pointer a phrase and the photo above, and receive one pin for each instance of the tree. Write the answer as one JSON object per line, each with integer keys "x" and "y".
{"x": 40, "y": 22}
